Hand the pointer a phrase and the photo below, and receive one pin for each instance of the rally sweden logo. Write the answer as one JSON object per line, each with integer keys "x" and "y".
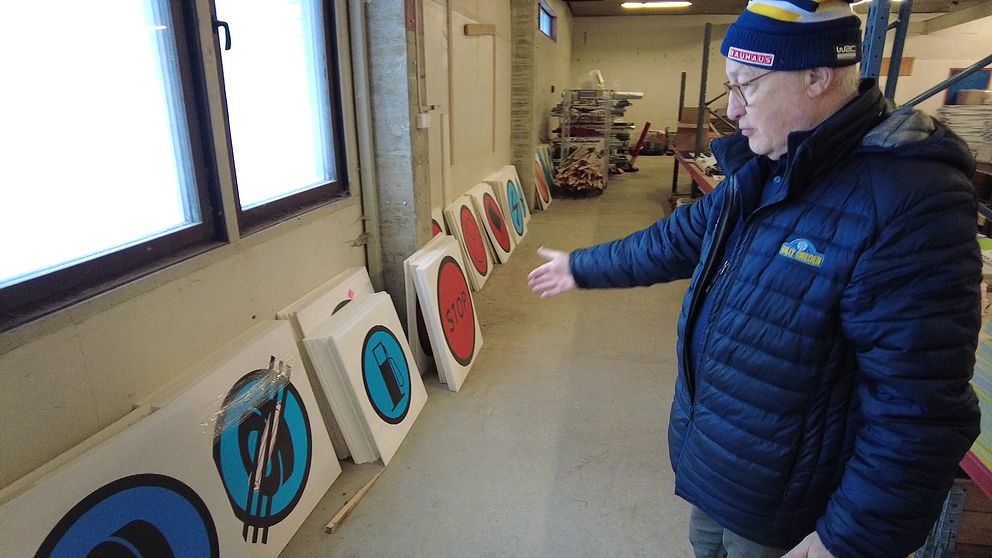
{"x": 802, "y": 251}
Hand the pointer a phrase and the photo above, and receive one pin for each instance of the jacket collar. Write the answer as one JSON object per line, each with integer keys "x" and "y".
{"x": 811, "y": 153}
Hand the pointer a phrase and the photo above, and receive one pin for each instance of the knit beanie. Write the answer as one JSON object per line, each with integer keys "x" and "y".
{"x": 786, "y": 35}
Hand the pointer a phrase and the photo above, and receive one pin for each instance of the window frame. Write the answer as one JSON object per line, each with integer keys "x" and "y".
{"x": 544, "y": 8}
{"x": 54, "y": 290}
{"x": 273, "y": 212}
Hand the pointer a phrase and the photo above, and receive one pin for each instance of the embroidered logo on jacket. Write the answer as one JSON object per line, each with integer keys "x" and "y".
{"x": 802, "y": 251}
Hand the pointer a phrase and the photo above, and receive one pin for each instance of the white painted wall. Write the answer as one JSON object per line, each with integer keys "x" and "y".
{"x": 479, "y": 113}
{"x": 936, "y": 54}
{"x": 474, "y": 154}
{"x": 552, "y": 67}
{"x": 649, "y": 53}
{"x": 66, "y": 376}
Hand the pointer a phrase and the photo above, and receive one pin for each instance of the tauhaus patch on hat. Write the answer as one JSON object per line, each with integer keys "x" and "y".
{"x": 787, "y": 35}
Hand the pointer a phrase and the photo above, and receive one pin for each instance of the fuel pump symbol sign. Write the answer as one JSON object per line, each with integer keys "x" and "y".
{"x": 386, "y": 375}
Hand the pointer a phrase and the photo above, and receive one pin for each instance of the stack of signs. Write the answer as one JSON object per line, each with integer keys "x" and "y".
{"x": 506, "y": 184}
{"x": 363, "y": 352}
{"x": 313, "y": 308}
{"x": 452, "y": 322}
{"x": 437, "y": 222}
{"x": 127, "y": 491}
{"x": 310, "y": 311}
{"x": 264, "y": 435}
{"x": 493, "y": 221}
{"x": 463, "y": 223}
{"x": 544, "y": 175}
{"x": 420, "y": 343}
{"x": 230, "y": 467}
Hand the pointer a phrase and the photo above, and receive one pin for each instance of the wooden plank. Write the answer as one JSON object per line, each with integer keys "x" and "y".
{"x": 905, "y": 67}
{"x": 350, "y": 505}
{"x": 951, "y": 19}
{"x": 705, "y": 183}
{"x": 975, "y": 499}
{"x": 975, "y": 528}
{"x": 476, "y": 29}
{"x": 451, "y": 83}
{"x": 978, "y": 472}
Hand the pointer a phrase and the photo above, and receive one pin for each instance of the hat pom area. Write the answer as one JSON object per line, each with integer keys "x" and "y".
{"x": 787, "y": 35}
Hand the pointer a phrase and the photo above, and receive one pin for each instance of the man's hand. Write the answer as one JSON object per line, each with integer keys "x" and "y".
{"x": 553, "y": 277}
{"x": 810, "y": 547}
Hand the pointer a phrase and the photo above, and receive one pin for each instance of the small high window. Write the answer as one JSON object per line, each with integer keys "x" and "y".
{"x": 547, "y": 21}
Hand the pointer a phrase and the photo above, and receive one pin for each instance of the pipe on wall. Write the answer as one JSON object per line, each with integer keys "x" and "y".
{"x": 363, "y": 121}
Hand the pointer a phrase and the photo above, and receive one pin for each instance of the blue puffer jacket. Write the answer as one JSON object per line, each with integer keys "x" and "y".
{"x": 832, "y": 390}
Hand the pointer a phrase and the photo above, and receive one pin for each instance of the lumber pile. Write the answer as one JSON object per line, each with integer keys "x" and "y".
{"x": 583, "y": 169}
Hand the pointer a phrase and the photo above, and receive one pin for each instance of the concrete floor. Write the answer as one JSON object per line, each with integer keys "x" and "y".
{"x": 556, "y": 444}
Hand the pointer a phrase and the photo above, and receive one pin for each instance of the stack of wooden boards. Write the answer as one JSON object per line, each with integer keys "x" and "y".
{"x": 582, "y": 170}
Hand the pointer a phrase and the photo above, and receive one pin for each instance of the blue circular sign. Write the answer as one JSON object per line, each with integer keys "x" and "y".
{"x": 262, "y": 451}
{"x": 516, "y": 207}
{"x": 141, "y": 515}
{"x": 386, "y": 375}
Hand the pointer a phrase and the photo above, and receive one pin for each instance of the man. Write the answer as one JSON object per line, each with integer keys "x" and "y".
{"x": 827, "y": 336}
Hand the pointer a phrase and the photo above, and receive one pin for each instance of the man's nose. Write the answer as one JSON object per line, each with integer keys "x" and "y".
{"x": 735, "y": 108}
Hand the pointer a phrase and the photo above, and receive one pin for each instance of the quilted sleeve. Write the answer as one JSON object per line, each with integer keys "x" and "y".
{"x": 912, "y": 309}
{"x": 668, "y": 250}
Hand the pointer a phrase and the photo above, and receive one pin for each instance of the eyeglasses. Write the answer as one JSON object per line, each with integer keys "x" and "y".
{"x": 738, "y": 88}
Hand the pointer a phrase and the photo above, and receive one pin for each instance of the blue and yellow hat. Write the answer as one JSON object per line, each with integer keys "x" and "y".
{"x": 786, "y": 35}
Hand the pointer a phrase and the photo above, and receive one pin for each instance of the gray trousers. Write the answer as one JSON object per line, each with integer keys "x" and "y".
{"x": 709, "y": 540}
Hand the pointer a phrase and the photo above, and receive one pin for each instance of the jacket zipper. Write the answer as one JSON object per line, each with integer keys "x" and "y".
{"x": 720, "y": 240}
{"x": 739, "y": 250}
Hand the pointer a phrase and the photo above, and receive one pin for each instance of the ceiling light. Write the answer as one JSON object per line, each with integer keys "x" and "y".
{"x": 664, "y": 4}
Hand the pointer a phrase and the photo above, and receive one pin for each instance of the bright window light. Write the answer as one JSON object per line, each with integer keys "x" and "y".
{"x": 668, "y": 4}
{"x": 275, "y": 77}
{"x": 95, "y": 145}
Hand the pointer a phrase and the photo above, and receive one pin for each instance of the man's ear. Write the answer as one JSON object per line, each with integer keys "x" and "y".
{"x": 818, "y": 80}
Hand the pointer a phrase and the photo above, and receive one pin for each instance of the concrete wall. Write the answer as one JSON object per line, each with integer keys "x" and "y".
{"x": 936, "y": 53}
{"x": 64, "y": 377}
{"x": 649, "y": 53}
{"x": 552, "y": 68}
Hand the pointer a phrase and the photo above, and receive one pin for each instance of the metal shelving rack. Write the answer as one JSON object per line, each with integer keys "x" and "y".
{"x": 619, "y": 141}
{"x": 586, "y": 108}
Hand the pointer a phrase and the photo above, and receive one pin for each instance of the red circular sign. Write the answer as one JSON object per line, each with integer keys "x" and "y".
{"x": 454, "y": 304}
{"x": 435, "y": 228}
{"x": 473, "y": 241}
{"x": 496, "y": 222}
{"x": 542, "y": 183}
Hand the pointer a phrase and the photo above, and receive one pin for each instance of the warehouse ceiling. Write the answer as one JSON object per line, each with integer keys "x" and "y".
{"x": 592, "y": 8}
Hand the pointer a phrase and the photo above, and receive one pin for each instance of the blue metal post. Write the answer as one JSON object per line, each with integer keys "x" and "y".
{"x": 902, "y": 27}
{"x": 874, "y": 43}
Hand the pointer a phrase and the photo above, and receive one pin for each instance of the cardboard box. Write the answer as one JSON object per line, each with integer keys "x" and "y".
{"x": 974, "y": 97}
{"x": 690, "y": 115}
{"x": 685, "y": 137}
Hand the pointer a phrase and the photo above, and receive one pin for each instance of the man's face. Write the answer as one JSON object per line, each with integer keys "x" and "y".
{"x": 776, "y": 105}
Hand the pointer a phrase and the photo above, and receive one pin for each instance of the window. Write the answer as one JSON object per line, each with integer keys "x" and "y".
{"x": 103, "y": 165}
{"x": 109, "y": 164}
{"x": 280, "y": 87}
{"x": 547, "y": 21}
